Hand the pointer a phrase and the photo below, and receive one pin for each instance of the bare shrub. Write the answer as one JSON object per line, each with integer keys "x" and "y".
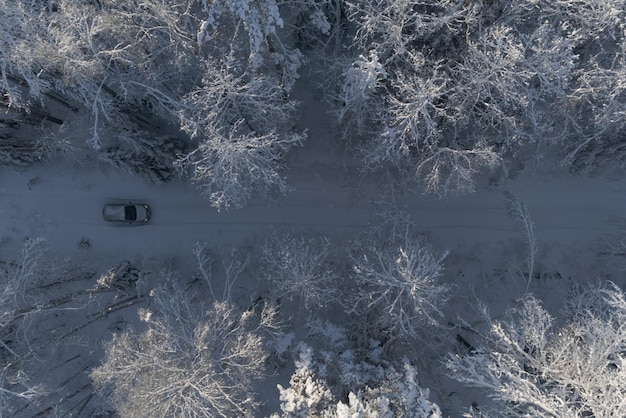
{"x": 398, "y": 282}
{"x": 298, "y": 267}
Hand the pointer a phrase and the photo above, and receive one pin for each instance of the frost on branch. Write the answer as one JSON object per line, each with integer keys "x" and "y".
{"x": 190, "y": 361}
{"x": 531, "y": 366}
{"x": 450, "y": 171}
{"x": 399, "y": 284}
{"x": 241, "y": 123}
{"x": 319, "y": 21}
{"x": 601, "y": 95}
{"x": 298, "y": 266}
{"x": 232, "y": 167}
{"x": 262, "y": 22}
{"x": 260, "y": 18}
{"x": 228, "y": 93}
{"x": 18, "y": 55}
{"x": 392, "y": 394}
{"x": 359, "y": 84}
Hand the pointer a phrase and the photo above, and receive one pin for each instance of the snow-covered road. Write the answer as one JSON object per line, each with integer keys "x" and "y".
{"x": 64, "y": 206}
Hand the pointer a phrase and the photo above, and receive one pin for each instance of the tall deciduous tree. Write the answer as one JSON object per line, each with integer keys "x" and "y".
{"x": 530, "y": 365}
{"x": 454, "y": 88}
{"x": 189, "y": 361}
{"x": 399, "y": 285}
{"x": 382, "y": 391}
{"x": 242, "y": 123}
{"x": 299, "y": 267}
{"x": 214, "y": 69}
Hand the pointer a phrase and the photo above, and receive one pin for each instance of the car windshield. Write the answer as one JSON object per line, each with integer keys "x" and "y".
{"x": 130, "y": 213}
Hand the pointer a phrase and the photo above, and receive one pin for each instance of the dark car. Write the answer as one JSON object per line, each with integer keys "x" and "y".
{"x": 127, "y": 213}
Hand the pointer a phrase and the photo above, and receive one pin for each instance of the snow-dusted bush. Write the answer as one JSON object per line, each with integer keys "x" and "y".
{"x": 308, "y": 395}
{"x": 122, "y": 278}
{"x": 298, "y": 266}
{"x": 531, "y": 365}
{"x": 191, "y": 360}
{"x": 399, "y": 283}
{"x": 392, "y": 394}
{"x": 399, "y": 394}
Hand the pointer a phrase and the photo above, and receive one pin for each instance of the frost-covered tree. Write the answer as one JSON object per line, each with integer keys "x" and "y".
{"x": 599, "y": 123}
{"x": 242, "y": 124}
{"x": 361, "y": 80}
{"x": 46, "y": 299}
{"x": 308, "y": 395}
{"x": 262, "y": 21}
{"x": 91, "y": 58}
{"x": 229, "y": 93}
{"x": 232, "y": 167}
{"x": 213, "y": 69}
{"x": 17, "y": 280}
{"x": 393, "y": 394}
{"x": 530, "y": 364}
{"x": 21, "y": 39}
{"x": 298, "y": 266}
{"x": 408, "y": 107}
{"x": 399, "y": 284}
{"x": 190, "y": 360}
{"x": 463, "y": 86}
